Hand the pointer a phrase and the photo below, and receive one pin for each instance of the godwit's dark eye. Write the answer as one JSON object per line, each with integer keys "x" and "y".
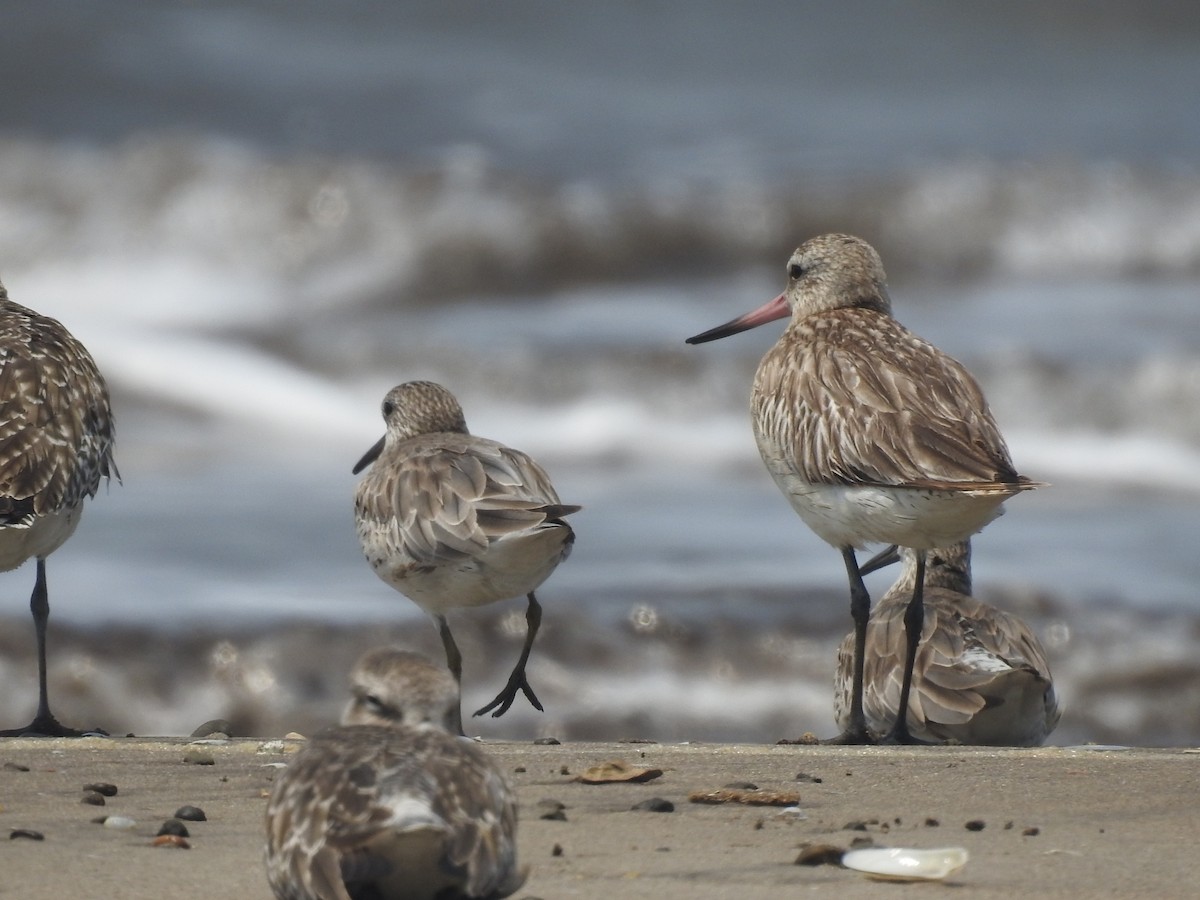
{"x": 795, "y": 270}
{"x": 388, "y": 408}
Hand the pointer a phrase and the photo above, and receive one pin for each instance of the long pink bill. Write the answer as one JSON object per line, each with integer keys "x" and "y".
{"x": 768, "y": 312}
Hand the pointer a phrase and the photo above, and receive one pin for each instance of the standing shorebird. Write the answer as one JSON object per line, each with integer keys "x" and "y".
{"x": 980, "y": 677}
{"x": 56, "y": 437}
{"x": 391, "y": 805}
{"x": 873, "y": 434}
{"x": 451, "y": 520}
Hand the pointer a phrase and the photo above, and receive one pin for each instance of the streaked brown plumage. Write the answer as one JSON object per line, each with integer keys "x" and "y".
{"x": 390, "y": 806}
{"x": 980, "y": 676}
{"x": 56, "y": 438}
{"x": 873, "y": 434}
{"x": 452, "y": 520}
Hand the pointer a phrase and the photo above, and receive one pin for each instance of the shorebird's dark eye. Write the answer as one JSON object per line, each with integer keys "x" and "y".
{"x": 795, "y": 270}
{"x": 388, "y": 408}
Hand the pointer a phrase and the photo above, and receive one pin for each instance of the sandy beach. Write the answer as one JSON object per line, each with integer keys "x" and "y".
{"x": 1056, "y": 822}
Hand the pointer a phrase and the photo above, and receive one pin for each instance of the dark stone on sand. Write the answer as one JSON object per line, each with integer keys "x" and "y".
{"x": 173, "y": 826}
{"x": 552, "y": 810}
{"x": 556, "y": 850}
{"x": 546, "y": 742}
{"x": 862, "y": 841}
{"x": 15, "y": 767}
{"x": 199, "y": 758}
{"x": 931, "y": 822}
{"x": 655, "y": 804}
{"x": 975, "y": 825}
{"x": 740, "y": 786}
{"x": 191, "y": 814}
{"x": 856, "y": 825}
{"x": 1031, "y": 831}
{"x": 214, "y": 726}
{"x": 804, "y": 776}
{"x": 92, "y": 798}
{"x": 820, "y": 855}
{"x": 27, "y": 833}
{"x": 102, "y": 787}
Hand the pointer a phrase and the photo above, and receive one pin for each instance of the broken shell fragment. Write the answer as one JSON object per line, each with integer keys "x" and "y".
{"x": 906, "y": 863}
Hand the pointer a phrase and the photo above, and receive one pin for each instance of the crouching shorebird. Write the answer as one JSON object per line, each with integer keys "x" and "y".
{"x": 874, "y": 434}
{"x": 980, "y": 676}
{"x": 391, "y": 805}
{"x": 452, "y": 520}
{"x": 56, "y": 438}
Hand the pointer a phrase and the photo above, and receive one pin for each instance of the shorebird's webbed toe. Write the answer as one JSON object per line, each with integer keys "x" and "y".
{"x": 45, "y": 725}
{"x": 517, "y": 683}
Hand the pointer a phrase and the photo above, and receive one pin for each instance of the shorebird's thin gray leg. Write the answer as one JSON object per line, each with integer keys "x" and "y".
{"x": 454, "y": 663}
{"x": 914, "y": 621}
{"x": 517, "y": 680}
{"x": 44, "y": 722}
{"x": 860, "y": 611}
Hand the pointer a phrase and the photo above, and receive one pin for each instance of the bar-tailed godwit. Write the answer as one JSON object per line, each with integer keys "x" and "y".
{"x": 56, "y": 439}
{"x": 391, "y": 804}
{"x": 873, "y": 434}
{"x": 455, "y": 521}
{"x": 980, "y": 676}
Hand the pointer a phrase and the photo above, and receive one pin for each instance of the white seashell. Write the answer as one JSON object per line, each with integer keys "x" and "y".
{"x": 124, "y": 823}
{"x": 906, "y": 863}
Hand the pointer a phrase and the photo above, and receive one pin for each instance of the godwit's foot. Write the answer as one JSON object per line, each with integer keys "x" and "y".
{"x": 852, "y": 737}
{"x": 516, "y": 682}
{"x": 47, "y": 726}
{"x": 902, "y": 736}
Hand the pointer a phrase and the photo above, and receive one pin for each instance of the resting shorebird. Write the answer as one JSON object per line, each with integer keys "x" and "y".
{"x": 451, "y": 520}
{"x": 56, "y": 437}
{"x": 980, "y": 677}
{"x": 391, "y": 805}
{"x": 873, "y": 434}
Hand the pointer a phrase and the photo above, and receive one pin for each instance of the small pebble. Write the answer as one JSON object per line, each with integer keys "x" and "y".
{"x": 655, "y": 804}
{"x": 546, "y": 742}
{"x": 122, "y": 823}
{"x": 173, "y": 826}
{"x": 171, "y": 840}
{"x": 28, "y": 833}
{"x": 740, "y": 786}
{"x": 552, "y": 810}
{"x": 1008, "y": 825}
{"x": 804, "y": 776}
{"x": 15, "y": 767}
{"x": 975, "y": 825}
{"x": 1031, "y": 831}
{"x": 556, "y": 850}
{"x": 564, "y": 771}
{"x": 199, "y": 758}
{"x": 857, "y": 825}
{"x": 520, "y": 770}
{"x": 102, "y": 787}
{"x": 92, "y": 798}
{"x": 932, "y": 822}
{"x": 191, "y": 814}
{"x": 861, "y": 841}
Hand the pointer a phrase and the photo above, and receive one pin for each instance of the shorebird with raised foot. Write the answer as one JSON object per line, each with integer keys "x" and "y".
{"x": 391, "y": 805}
{"x": 980, "y": 676}
{"x": 454, "y": 521}
{"x": 873, "y": 434}
{"x": 56, "y": 439}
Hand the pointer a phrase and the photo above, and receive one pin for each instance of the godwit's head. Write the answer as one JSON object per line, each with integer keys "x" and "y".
{"x": 832, "y": 271}
{"x": 413, "y": 408}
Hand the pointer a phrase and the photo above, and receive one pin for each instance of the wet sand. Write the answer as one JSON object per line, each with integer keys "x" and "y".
{"x": 1057, "y": 822}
